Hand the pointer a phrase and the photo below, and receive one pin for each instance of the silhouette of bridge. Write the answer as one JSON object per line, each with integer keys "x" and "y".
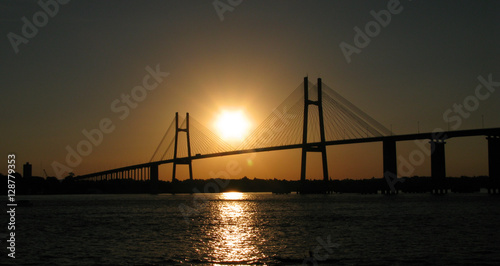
{"x": 333, "y": 120}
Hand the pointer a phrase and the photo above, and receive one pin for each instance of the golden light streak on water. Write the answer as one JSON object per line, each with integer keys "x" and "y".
{"x": 235, "y": 231}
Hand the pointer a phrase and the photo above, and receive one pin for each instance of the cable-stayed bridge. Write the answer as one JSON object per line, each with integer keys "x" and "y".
{"x": 311, "y": 118}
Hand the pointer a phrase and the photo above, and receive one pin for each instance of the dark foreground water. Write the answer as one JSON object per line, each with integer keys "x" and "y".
{"x": 253, "y": 228}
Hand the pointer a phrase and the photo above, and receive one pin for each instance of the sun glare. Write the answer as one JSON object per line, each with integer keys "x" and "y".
{"x": 232, "y": 195}
{"x": 232, "y": 126}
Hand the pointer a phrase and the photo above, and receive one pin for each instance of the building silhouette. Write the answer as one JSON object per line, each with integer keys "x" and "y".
{"x": 27, "y": 170}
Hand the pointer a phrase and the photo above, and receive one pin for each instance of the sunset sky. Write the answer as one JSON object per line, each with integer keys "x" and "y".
{"x": 71, "y": 75}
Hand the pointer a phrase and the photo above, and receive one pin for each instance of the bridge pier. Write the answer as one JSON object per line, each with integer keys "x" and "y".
{"x": 153, "y": 177}
{"x": 494, "y": 164}
{"x": 390, "y": 166}
{"x": 438, "y": 167}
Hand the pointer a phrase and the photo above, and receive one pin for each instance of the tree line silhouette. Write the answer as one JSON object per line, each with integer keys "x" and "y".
{"x": 35, "y": 185}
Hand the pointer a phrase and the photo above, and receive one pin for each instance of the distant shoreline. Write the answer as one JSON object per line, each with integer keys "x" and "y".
{"x": 53, "y": 186}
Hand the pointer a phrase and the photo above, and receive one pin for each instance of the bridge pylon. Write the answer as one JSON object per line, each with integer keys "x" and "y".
{"x": 187, "y": 160}
{"x": 308, "y": 147}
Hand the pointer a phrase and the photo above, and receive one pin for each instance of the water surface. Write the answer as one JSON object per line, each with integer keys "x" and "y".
{"x": 259, "y": 228}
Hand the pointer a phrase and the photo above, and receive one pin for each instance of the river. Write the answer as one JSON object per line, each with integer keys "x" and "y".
{"x": 258, "y": 228}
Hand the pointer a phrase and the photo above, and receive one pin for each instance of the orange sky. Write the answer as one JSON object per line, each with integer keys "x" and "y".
{"x": 66, "y": 78}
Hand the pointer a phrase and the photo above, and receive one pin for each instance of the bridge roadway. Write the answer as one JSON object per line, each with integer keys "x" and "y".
{"x": 436, "y": 136}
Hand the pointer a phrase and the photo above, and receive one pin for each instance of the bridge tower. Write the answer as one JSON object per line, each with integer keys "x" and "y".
{"x": 187, "y": 160}
{"x": 308, "y": 147}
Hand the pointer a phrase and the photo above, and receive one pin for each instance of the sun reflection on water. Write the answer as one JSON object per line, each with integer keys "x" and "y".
{"x": 236, "y": 235}
{"x": 232, "y": 195}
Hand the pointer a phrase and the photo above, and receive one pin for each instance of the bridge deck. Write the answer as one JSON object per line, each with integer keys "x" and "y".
{"x": 429, "y": 135}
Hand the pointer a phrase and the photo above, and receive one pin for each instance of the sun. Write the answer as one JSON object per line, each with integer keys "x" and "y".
{"x": 232, "y": 126}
